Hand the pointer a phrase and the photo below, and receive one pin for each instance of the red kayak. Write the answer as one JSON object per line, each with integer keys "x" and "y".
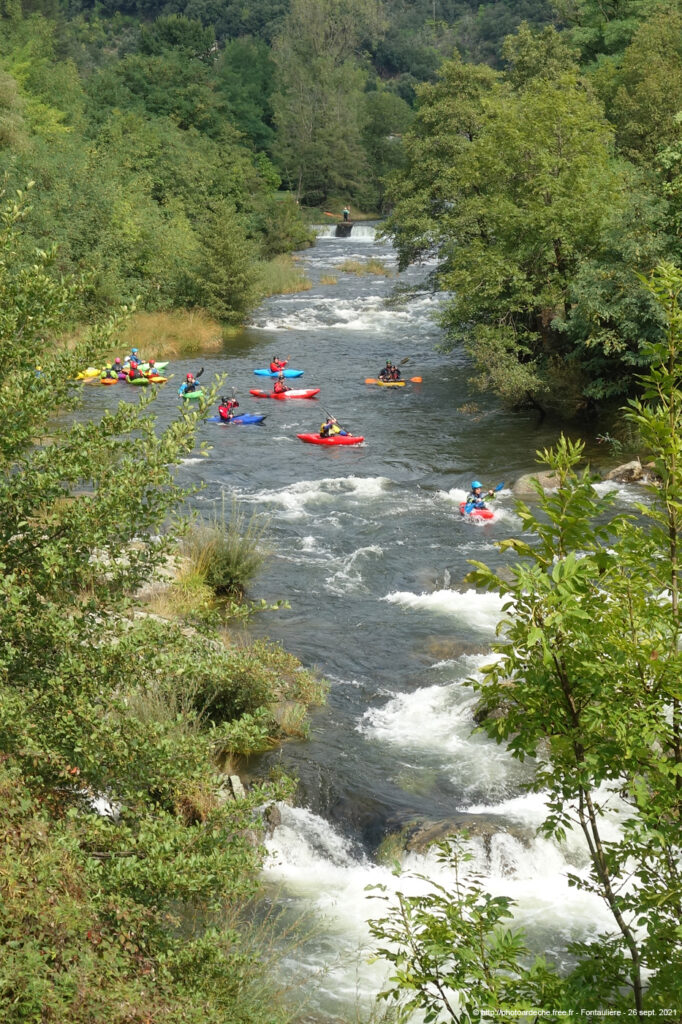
{"x": 476, "y": 513}
{"x": 334, "y": 439}
{"x": 294, "y": 393}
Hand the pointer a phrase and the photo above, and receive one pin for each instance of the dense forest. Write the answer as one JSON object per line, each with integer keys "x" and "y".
{"x": 174, "y": 147}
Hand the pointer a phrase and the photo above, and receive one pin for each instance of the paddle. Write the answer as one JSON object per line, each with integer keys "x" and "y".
{"x": 470, "y": 504}
{"x": 338, "y": 215}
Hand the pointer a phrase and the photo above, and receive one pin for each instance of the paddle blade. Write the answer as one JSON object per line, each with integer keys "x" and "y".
{"x": 499, "y": 487}
{"x": 371, "y": 380}
{"x": 416, "y": 380}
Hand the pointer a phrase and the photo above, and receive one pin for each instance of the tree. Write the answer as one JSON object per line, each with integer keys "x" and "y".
{"x": 318, "y": 104}
{"x": 511, "y": 184}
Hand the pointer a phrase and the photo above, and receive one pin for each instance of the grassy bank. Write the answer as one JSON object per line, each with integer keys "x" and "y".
{"x": 172, "y": 335}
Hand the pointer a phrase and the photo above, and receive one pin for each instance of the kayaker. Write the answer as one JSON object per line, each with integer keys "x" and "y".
{"x": 190, "y": 383}
{"x": 389, "y": 372}
{"x": 134, "y": 373}
{"x": 476, "y": 498}
{"x": 109, "y": 373}
{"x": 151, "y": 369}
{"x": 226, "y": 409}
{"x": 280, "y": 386}
{"x": 277, "y": 364}
{"x": 331, "y": 427}
{"x": 134, "y": 357}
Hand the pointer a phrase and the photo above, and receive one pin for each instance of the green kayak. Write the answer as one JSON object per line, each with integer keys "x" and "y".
{"x": 193, "y": 395}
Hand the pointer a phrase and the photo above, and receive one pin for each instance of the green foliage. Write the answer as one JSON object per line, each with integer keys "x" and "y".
{"x": 452, "y": 954}
{"x": 538, "y": 231}
{"x": 120, "y": 847}
{"x": 228, "y": 554}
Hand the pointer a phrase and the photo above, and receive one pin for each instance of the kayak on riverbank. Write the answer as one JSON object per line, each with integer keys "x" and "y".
{"x": 334, "y": 439}
{"x": 293, "y": 393}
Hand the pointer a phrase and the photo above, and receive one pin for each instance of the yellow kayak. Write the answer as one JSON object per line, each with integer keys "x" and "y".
{"x": 391, "y": 383}
{"x": 90, "y": 372}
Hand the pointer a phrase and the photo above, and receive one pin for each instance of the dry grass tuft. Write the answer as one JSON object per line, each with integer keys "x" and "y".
{"x": 328, "y": 279}
{"x": 361, "y": 267}
{"x": 182, "y": 332}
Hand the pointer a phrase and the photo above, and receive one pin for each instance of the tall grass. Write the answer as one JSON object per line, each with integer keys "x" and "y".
{"x": 281, "y": 276}
{"x": 362, "y": 267}
{"x": 227, "y": 552}
{"x": 181, "y": 332}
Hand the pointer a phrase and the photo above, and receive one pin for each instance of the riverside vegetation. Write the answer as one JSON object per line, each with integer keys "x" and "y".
{"x": 125, "y": 869}
{"x": 174, "y": 146}
{"x": 587, "y": 686}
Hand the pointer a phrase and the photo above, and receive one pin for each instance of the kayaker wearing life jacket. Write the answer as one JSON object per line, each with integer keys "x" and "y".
{"x": 277, "y": 364}
{"x": 226, "y": 409}
{"x": 189, "y": 384}
{"x": 134, "y": 373}
{"x": 476, "y": 498}
{"x": 109, "y": 373}
{"x": 134, "y": 357}
{"x": 280, "y": 387}
{"x": 151, "y": 369}
{"x": 389, "y": 372}
{"x": 331, "y": 427}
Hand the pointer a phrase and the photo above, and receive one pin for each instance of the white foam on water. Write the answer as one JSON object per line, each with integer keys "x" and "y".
{"x": 192, "y": 462}
{"x": 296, "y": 499}
{"x": 349, "y": 575}
{"x": 482, "y": 611}
{"x": 628, "y": 494}
{"x": 433, "y": 727}
{"x": 319, "y": 871}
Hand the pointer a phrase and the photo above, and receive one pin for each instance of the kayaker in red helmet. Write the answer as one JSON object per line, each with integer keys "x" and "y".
{"x": 280, "y": 387}
{"x": 134, "y": 372}
{"x": 277, "y": 364}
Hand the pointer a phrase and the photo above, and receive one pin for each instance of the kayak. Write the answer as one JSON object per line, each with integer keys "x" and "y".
{"x": 193, "y": 395}
{"x": 391, "y": 383}
{"x": 276, "y": 373}
{"x": 245, "y": 417}
{"x": 87, "y": 374}
{"x": 148, "y": 380}
{"x": 309, "y": 393}
{"x": 476, "y": 513}
{"x": 334, "y": 439}
{"x": 157, "y": 366}
{"x": 109, "y": 380}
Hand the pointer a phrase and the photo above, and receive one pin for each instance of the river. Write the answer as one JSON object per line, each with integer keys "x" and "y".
{"x": 370, "y": 551}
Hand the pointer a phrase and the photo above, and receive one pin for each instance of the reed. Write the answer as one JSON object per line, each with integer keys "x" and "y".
{"x": 170, "y": 335}
{"x": 281, "y": 276}
{"x": 362, "y": 267}
{"x": 328, "y": 279}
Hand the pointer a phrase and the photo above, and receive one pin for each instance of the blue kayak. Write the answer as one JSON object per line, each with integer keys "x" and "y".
{"x": 246, "y": 417}
{"x": 275, "y": 373}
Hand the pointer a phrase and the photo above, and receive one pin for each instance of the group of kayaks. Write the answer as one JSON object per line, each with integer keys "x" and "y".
{"x": 148, "y": 375}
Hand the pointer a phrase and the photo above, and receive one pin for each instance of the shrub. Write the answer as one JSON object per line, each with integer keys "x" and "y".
{"x": 227, "y": 554}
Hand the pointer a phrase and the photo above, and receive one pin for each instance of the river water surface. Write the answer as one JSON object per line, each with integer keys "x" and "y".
{"x": 371, "y": 552}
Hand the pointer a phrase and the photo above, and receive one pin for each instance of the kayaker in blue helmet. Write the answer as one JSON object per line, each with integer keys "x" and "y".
{"x": 476, "y": 498}
{"x": 134, "y": 357}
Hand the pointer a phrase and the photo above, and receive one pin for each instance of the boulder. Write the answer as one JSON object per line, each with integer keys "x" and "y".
{"x": 629, "y": 473}
{"x": 523, "y": 487}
